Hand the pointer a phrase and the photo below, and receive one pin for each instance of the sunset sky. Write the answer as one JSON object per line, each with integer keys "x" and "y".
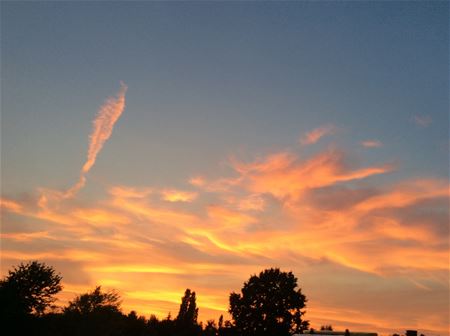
{"x": 152, "y": 147}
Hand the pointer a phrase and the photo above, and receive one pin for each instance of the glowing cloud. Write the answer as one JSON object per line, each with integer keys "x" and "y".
{"x": 253, "y": 202}
{"x": 22, "y": 236}
{"x": 197, "y": 181}
{"x": 172, "y": 195}
{"x": 126, "y": 192}
{"x": 316, "y": 134}
{"x": 307, "y": 214}
{"x": 9, "y": 205}
{"x": 371, "y": 143}
{"x": 103, "y": 125}
{"x": 283, "y": 175}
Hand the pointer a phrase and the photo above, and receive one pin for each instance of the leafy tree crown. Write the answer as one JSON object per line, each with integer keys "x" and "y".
{"x": 97, "y": 300}
{"x": 33, "y": 286}
{"x": 269, "y": 304}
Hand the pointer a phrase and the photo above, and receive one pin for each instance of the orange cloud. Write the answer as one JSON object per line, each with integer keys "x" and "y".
{"x": 281, "y": 175}
{"x": 68, "y": 255}
{"x": 371, "y": 143}
{"x": 9, "y": 205}
{"x": 137, "y": 269}
{"x": 172, "y": 195}
{"x": 253, "y": 202}
{"x": 316, "y": 134}
{"x": 155, "y": 214}
{"x": 197, "y": 181}
{"x": 99, "y": 217}
{"x": 127, "y": 192}
{"x": 406, "y": 194}
{"x": 221, "y": 185}
{"x": 226, "y": 219}
{"x": 273, "y": 162}
{"x": 26, "y": 236}
{"x": 278, "y": 210}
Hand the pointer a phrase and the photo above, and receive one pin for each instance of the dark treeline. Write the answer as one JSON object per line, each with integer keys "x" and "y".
{"x": 269, "y": 304}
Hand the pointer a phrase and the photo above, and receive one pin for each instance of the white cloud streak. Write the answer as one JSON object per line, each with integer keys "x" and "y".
{"x": 103, "y": 125}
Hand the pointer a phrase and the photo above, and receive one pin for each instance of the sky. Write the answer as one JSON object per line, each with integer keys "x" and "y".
{"x": 152, "y": 147}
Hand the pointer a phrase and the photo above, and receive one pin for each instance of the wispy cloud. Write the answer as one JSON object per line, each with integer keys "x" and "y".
{"x": 310, "y": 215}
{"x": 253, "y": 202}
{"x": 173, "y": 195}
{"x": 9, "y": 205}
{"x": 422, "y": 120}
{"x": 371, "y": 143}
{"x": 103, "y": 125}
{"x": 197, "y": 181}
{"x": 129, "y": 192}
{"x": 24, "y": 236}
{"x": 283, "y": 175}
{"x": 317, "y": 133}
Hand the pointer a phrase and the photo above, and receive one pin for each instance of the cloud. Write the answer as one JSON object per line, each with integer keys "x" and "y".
{"x": 8, "y": 205}
{"x": 405, "y": 194}
{"x": 24, "y": 236}
{"x": 316, "y": 134}
{"x": 197, "y": 181}
{"x": 219, "y": 185}
{"x": 322, "y": 216}
{"x": 173, "y": 195}
{"x": 225, "y": 219}
{"x": 422, "y": 120}
{"x": 371, "y": 143}
{"x": 103, "y": 125}
{"x": 99, "y": 217}
{"x": 283, "y": 175}
{"x": 129, "y": 192}
{"x": 253, "y": 202}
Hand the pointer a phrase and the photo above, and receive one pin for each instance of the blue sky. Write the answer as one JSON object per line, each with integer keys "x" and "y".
{"x": 207, "y": 78}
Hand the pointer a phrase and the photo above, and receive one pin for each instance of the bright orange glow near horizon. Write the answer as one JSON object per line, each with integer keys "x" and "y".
{"x": 278, "y": 211}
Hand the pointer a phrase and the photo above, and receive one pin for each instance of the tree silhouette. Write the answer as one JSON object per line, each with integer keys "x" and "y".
{"x": 25, "y": 294}
{"x": 188, "y": 312}
{"x": 270, "y": 304}
{"x": 30, "y": 288}
{"x": 210, "y": 328}
{"x": 95, "y": 313}
{"x": 135, "y": 326}
{"x": 186, "y": 321}
{"x": 94, "y": 301}
{"x": 165, "y": 327}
